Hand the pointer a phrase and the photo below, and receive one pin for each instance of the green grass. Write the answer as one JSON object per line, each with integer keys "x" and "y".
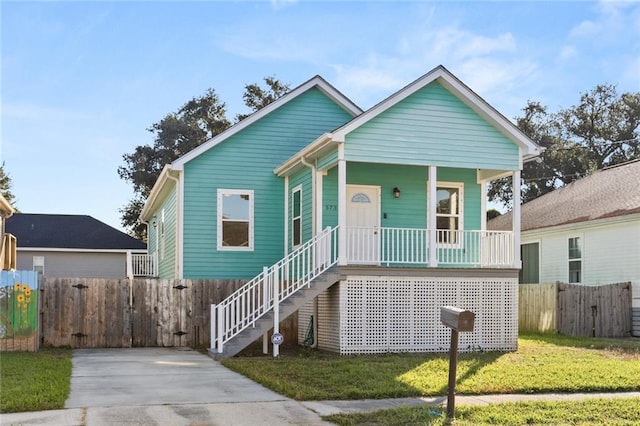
{"x": 33, "y": 381}
{"x": 624, "y": 411}
{"x": 542, "y": 363}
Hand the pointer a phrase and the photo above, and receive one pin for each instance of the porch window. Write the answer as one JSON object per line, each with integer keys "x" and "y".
{"x": 296, "y": 217}
{"x": 449, "y": 211}
{"x": 575, "y": 260}
{"x": 235, "y": 219}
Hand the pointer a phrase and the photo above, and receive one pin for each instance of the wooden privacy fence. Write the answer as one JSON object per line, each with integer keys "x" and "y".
{"x": 107, "y": 313}
{"x": 576, "y": 310}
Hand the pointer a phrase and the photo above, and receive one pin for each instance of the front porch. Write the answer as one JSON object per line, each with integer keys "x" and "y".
{"x": 470, "y": 268}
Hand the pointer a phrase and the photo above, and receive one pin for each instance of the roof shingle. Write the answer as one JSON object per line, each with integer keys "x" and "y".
{"x": 68, "y": 232}
{"x": 610, "y": 192}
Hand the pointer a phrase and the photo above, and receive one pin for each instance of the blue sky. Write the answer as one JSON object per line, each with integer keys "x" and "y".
{"x": 82, "y": 81}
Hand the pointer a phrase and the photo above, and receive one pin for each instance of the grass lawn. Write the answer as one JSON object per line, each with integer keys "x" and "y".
{"x": 33, "y": 381}
{"x": 588, "y": 412}
{"x": 543, "y": 363}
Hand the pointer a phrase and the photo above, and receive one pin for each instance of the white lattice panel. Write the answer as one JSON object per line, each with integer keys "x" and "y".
{"x": 396, "y": 314}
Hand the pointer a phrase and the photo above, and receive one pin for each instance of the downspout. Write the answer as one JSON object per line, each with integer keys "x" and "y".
{"x": 178, "y": 235}
{"x": 286, "y": 216}
{"x": 313, "y": 192}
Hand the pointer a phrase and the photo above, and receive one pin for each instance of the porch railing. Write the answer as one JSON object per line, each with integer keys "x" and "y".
{"x": 142, "y": 265}
{"x": 410, "y": 246}
{"x": 275, "y": 284}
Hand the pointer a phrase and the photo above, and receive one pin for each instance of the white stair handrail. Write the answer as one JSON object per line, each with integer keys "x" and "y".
{"x": 254, "y": 299}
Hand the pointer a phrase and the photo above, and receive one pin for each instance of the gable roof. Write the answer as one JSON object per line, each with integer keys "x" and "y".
{"x": 64, "y": 231}
{"x": 607, "y": 193}
{"x": 178, "y": 164}
{"x": 440, "y": 74}
{"x": 317, "y": 82}
{"x": 461, "y": 91}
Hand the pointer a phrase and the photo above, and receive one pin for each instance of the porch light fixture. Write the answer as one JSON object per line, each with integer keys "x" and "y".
{"x": 396, "y": 192}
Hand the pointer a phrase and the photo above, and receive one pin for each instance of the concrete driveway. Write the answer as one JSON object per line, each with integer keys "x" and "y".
{"x": 164, "y": 386}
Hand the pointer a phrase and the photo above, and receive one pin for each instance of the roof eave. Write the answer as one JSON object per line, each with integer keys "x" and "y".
{"x": 316, "y": 81}
{"x": 147, "y": 210}
{"x": 528, "y": 147}
{"x": 295, "y": 160}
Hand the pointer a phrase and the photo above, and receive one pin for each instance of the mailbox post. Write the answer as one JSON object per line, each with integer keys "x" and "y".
{"x": 458, "y": 320}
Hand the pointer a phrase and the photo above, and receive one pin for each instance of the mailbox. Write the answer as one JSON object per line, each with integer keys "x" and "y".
{"x": 457, "y": 319}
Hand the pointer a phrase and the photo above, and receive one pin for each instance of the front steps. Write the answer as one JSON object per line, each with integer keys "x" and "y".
{"x": 287, "y": 307}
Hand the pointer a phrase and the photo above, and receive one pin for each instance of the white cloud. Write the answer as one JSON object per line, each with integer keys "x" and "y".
{"x": 568, "y": 52}
{"x": 488, "y": 64}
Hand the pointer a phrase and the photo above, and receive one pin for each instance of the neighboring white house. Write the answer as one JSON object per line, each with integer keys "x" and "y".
{"x": 587, "y": 232}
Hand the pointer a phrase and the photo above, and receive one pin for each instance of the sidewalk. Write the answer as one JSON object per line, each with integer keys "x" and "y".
{"x": 326, "y": 408}
{"x": 272, "y": 413}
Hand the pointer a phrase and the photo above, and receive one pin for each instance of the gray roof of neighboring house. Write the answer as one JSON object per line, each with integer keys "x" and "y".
{"x": 610, "y": 192}
{"x": 67, "y": 231}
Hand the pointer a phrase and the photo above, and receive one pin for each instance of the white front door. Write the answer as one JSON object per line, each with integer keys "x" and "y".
{"x": 363, "y": 223}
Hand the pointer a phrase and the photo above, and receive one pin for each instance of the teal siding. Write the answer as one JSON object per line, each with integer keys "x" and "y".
{"x": 410, "y": 210}
{"x": 166, "y": 250}
{"x": 432, "y": 127}
{"x": 327, "y": 160}
{"x": 330, "y": 198}
{"x": 246, "y": 161}
{"x": 303, "y": 178}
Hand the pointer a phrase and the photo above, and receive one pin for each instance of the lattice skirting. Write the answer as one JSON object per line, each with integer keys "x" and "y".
{"x": 402, "y": 314}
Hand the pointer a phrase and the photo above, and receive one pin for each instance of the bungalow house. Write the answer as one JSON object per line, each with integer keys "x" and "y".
{"x": 587, "y": 232}
{"x": 364, "y": 222}
{"x": 62, "y": 245}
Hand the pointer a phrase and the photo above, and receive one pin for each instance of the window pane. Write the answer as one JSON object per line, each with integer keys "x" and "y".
{"x": 296, "y": 204}
{"x": 529, "y": 253}
{"x": 443, "y": 222}
{"x": 235, "y": 234}
{"x": 235, "y": 206}
{"x": 297, "y": 232}
{"x": 575, "y": 251}
{"x": 575, "y": 267}
{"x": 448, "y": 201}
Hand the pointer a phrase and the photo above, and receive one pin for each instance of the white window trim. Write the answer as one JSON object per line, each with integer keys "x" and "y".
{"x": 298, "y": 188}
{"x": 221, "y": 194}
{"x": 573, "y": 259}
{"x": 460, "y": 187}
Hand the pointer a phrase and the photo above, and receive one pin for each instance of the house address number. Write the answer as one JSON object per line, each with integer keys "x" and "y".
{"x": 330, "y": 207}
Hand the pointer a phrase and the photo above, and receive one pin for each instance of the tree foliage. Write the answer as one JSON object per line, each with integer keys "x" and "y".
{"x": 256, "y": 98}
{"x": 5, "y": 187}
{"x": 602, "y": 130}
{"x": 197, "y": 121}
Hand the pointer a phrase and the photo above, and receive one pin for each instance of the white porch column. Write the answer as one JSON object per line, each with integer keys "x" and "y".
{"x": 342, "y": 206}
{"x": 483, "y": 205}
{"x": 431, "y": 216}
{"x": 517, "y": 262}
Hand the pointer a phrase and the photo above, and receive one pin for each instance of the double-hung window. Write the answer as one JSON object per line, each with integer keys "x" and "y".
{"x": 296, "y": 217}
{"x": 235, "y": 219}
{"x": 575, "y": 260}
{"x": 449, "y": 211}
